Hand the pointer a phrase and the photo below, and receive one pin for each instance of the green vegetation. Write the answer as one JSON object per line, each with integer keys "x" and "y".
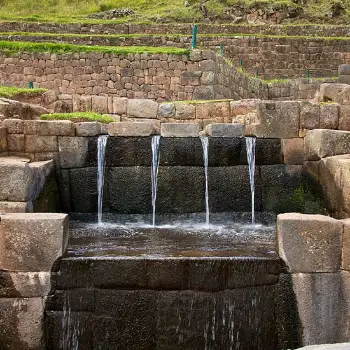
{"x": 9, "y": 91}
{"x": 16, "y": 47}
{"x": 79, "y": 117}
{"x": 147, "y": 11}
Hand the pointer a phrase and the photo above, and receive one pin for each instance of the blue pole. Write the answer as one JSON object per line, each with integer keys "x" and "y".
{"x": 194, "y": 37}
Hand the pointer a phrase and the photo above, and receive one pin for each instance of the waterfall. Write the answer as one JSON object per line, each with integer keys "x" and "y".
{"x": 205, "y": 145}
{"x": 250, "y": 146}
{"x": 154, "y": 174}
{"x": 101, "y": 148}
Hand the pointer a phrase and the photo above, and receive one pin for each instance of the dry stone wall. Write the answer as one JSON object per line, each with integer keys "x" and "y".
{"x": 201, "y": 75}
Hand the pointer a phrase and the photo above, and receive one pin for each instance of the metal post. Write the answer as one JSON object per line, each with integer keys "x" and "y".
{"x": 241, "y": 64}
{"x": 308, "y": 74}
{"x": 31, "y": 85}
{"x": 221, "y": 49}
{"x": 257, "y": 73}
{"x": 194, "y": 37}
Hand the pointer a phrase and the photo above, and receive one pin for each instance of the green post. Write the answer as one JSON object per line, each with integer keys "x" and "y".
{"x": 241, "y": 64}
{"x": 194, "y": 37}
{"x": 221, "y": 49}
{"x": 308, "y": 74}
{"x": 31, "y": 85}
{"x": 257, "y": 73}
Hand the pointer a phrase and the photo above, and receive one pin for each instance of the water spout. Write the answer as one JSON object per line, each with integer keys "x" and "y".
{"x": 154, "y": 174}
{"x": 205, "y": 145}
{"x": 101, "y": 149}
{"x": 250, "y": 146}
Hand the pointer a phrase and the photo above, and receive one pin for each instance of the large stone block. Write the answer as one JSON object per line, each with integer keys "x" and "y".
{"x": 345, "y": 264}
{"x": 321, "y": 307}
{"x": 32, "y": 242}
{"x": 15, "y": 142}
{"x": 337, "y": 346}
{"x": 329, "y": 116}
{"x": 309, "y": 116}
{"x": 99, "y": 104}
{"x": 16, "y": 207}
{"x": 49, "y": 127}
{"x": 343, "y": 79}
{"x": 309, "y": 243}
{"x": 24, "y": 284}
{"x": 3, "y": 139}
{"x": 14, "y": 126}
{"x": 277, "y": 119}
{"x": 73, "y": 151}
{"x": 344, "y": 117}
{"x": 142, "y": 108}
{"x": 166, "y": 110}
{"x": 213, "y": 110}
{"x": 344, "y": 69}
{"x": 120, "y": 105}
{"x": 179, "y": 130}
{"x": 131, "y": 129}
{"x": 21, "y": 324}
{"x": 224, "y": 130}
{"x": 185, "y": 111}
{"x": 293, "y": 151}
{"x": 88, "y": 129}
{"x": 335, "y": 92}
{"x": 321, "y": 143}
{"x": 21, "y": 181}
{"x": 36, "y": 144}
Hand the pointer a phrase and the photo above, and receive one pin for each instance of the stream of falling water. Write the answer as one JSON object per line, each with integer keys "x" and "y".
{"x": 101, "y": 149}
{"x": 155, "y": 166}
{"x": 250, "y": 146}
{"x": 205, "y": 145}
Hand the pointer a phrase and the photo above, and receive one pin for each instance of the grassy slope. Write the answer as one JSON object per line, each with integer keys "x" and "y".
{"x": 146, "y": 10}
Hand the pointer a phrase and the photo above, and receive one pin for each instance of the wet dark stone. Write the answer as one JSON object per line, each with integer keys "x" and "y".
{"x": 224, "y": 151}
{"x": 68, "y": 331}
{"x": 79, "y": 299}
{"x": 267, "y": 151}
{"x": 281, "y": 188}
{"x": 229, "y": 189}
{"x": 180, "y": 190}
{"x": 180, "y": 151}
{"x": 128, "y": 190}
{"x": 63, "y": 179}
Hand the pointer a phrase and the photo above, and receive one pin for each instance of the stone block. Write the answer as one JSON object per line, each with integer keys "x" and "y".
{"x": 344, "y": 118}
{"x": 224, "y": 130}
{"x": 213, "y": 110}
{"x": 14, "y": 126}
{"x": 142, "y": 108}
{"x": 243, "y": 107}
{"x": 88, "y": 129}
{"x": 131, "y": 129}
{"x": 185, "y": 111}
{"x": 16, "y": 207}
{"x": 15, "y": 142}
{"x": 277, "y": 119}
{"x": 321, "y": 143}
{"x": 120, "y": 105}
{"x": 337, "y": 346}
{"x": 343, "y": 79}
{"x": 49, "y": 97}
{"x": 309, "y": 243}
{"x": 73, "y": 151}
{"x": 329, "y": 116}
{"x": 203, "y": 93}
{"x": 293, "y": 151}
{"x": 335, "y": 92}
{"x": 99, "y": 104}
{"x": 3, "y": 139}
{"x": 32, "y": 242}
{"x": 179, "y": 130}
{"x": 21, "y": 181}
{"x": 344, "y": 69}
{"x": 24, "y": 284}
{"x": 309, "y": 116}
{"x": 36, "y": 144}
{"x": 321, "y": 307}
{"x": 166, "y": 110}
{"x": 22, "y": 323}
{"x": 49, "y": 127}
{"x": 346, "y": 246}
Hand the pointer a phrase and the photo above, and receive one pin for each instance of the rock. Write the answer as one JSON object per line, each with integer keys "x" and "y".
{"x": 203, "y": 93}
{"x": 16, "y": 207}
{"x": 73, "y": 151}
{"x": 22, "y": 323}
{"x": 142, "y": 108}
{"x": 344, "y": 69}
{"x": 321, "y": 143}
{"x": 185, "y": 111}
{"x": 338, "y": 346}
{"x": 62, "y": 107}
{"x": 88, "y": 129}
{"x": 120, "y": 105}
{"x": 343, "y": 79}
{"x": 166, "y": 110}
{"x": 243, "y": 107}
{"x": 21, "y": 250}
{"x": 335, "y": 92}
{"x": 179, "y": 130}
{"x": 344, "y": 118}
{"x": 99, "y": 104}
{"x": 309, "y": 243}
{"x": 293, "y": 151}
{"x": 346, "y": 246}
{"x": 15, "y": 142}
{"x": 14, "y": 126}
{"x": 112, "y": 14}
{"x": 131, "y": 129}
{"x": 224, "y": 130}
{"x": 49, "y": 128}
{"x": 329, "y": 116}
{"x": 309, "y": 116}
{"x": 49, "y": 97}
{"x": 213, "y": 110}
{"x": 36, "y": 144}
{"x": 3, "y": 139}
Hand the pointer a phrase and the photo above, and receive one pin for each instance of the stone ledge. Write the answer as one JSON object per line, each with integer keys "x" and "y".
{"x": 224, "y": 130}
{"x": 179, "y": 130}
{"x": 131, "y": 129}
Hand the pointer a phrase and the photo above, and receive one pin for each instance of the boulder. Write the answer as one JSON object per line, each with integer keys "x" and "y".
{"x": 142, "y": 108}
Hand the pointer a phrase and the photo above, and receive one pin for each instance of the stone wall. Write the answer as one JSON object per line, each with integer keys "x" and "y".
{"x": 271, "y": 57}
{"x": 316, "y": 250}
{"x": 201, "y": 75}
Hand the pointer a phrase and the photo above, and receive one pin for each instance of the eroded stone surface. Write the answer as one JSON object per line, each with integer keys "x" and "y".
{"x": 88, "y": 129}
{"x": 179, "y": 130}
{"x": 142, "y": 108}
{"x": 131, "y": 129}
{"x": 73, "y": 151}
{"x": 224, "y": 130}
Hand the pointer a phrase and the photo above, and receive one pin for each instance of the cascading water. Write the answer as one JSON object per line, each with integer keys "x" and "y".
{"x": 155, "y": 166}
{"x": 205, "y": 145}
{"x": 250, "y": 146}
{"x": 101, "y": 148}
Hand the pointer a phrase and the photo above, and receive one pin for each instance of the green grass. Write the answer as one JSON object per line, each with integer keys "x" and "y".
{"x": 145, "y": 10}
{"x": 9, "y": 91}
{"x": 79, "y": 116}
{"x": 16, "y": 47}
